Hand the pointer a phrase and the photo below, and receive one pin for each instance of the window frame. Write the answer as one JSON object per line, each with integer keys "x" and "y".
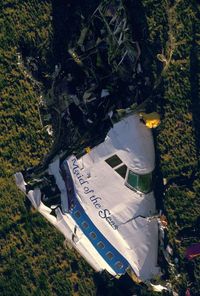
{"x": 138, "y": 175}
{"x": 112, "y": 156}
{"x": 85, "y": 227}
{"x": 79, "y": 215}
{"x": 119, "y": 166}
{"x": 91, "y": 235}
{"x": 101, "y": 248}
{"x": 108, "y": 253}
{"x": 121, "y": 265}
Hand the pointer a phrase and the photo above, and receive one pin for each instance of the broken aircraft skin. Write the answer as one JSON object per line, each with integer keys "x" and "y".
{"x": 103, "y": 202}
{"x": 103, "y": 56}
{"x": 102, "y": 73}
{"x": 106, "y": 40}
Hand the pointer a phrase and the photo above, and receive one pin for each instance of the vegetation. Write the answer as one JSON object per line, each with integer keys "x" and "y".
{"x": 173, "y": 35}
{"x": 33, "y": 260}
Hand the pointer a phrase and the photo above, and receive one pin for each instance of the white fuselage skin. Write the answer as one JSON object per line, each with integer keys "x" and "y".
{"x": 119, "y": 213}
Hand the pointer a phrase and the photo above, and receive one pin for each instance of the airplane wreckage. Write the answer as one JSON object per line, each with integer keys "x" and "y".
{"x": 102, "y": 201}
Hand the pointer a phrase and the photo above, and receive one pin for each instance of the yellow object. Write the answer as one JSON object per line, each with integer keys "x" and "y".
{"x": 133, "y": 276}
{"x": 152, "y": 120}
{"x": 75, "y": 57}
{"x": 87, "y": 149}
{"x": 163, "y": 220}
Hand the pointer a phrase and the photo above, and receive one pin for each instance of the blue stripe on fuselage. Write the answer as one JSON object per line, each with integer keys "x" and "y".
{"x": 99, "y": 237}
{"x": 92, "y": 228}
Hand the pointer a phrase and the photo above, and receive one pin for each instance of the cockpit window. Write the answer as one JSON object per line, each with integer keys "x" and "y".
{"x": 142, "y": 183}
{"x": 122, "y": 171}
{"x": 113, "y": 161}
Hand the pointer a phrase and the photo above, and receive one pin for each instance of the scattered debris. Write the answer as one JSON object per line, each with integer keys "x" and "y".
{"x": 75, "y": 57}
{"x": 87, "y": 149}
{"x": 169, "y": 250}
{"x": 49, "y": 130}
{"x": 176, "y": 260}
{"x": 164, "y": 181}
{"x": 193, "y": 251}
{"x": 158, "y": 288}
{"x": 163, "y": 220}
{"x": 104, "y": 93}
{"x": 174, "y": 293}
{"x": 187, "y": 293}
